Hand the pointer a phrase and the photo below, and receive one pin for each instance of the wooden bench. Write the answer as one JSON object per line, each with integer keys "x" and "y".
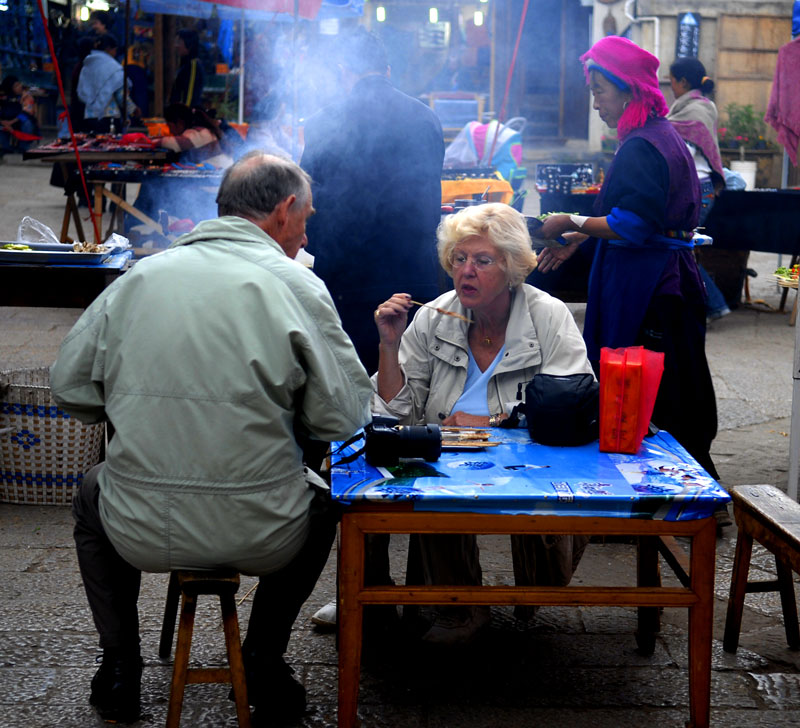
{"x": 769, "y": 516}
{"x": 189, "y": 585}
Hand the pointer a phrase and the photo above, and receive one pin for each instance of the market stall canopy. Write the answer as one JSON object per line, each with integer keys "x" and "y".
{"x": 253, "y": 9}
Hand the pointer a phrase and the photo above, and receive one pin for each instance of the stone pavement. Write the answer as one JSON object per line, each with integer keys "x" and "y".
{"x": 567, "y": 667}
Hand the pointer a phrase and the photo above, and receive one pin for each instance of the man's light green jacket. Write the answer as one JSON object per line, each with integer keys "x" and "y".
{"x": 205, "y": 358}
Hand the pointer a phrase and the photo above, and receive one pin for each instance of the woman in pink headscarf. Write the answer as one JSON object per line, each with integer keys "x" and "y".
{"x": 644, "y": 286}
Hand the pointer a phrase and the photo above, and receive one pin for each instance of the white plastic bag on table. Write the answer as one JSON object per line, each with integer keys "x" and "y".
{"x": 33, "y": 231}
{"x": 118, "y": 241}
{"x": 733, "y": 180}
{"x": 461, "y": 151}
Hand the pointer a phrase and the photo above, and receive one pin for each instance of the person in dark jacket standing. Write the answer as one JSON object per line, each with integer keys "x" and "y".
{"x": 375, "y": 160}
{"x": 188, "y": 86}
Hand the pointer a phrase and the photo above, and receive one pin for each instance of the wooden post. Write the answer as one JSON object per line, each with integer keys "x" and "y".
{"x": 170, "y": 66}
{"x": 158, "y": 70}
{"x": 126, "y": 45}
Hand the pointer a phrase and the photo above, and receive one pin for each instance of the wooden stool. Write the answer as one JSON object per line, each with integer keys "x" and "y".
{"x": 188, "y": 585}
{"x": 769, "y": 516}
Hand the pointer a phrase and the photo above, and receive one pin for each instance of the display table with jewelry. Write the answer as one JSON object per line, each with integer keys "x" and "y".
{"x": 106, "y": 148}
{"x": 520, "y": 487}
{"x": 117, "y": 174}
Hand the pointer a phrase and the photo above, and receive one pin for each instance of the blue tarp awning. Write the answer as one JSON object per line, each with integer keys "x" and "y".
{"x": 270, "y": 10}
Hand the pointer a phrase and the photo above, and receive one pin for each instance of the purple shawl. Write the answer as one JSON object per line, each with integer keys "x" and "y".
{"x": 682, "y": 206}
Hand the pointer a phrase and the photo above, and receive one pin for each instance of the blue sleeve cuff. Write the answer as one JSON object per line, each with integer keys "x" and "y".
{"x": 629, "y": 226}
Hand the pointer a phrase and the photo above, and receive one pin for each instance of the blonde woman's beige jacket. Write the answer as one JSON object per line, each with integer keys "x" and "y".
{"x": 541, "y": 337}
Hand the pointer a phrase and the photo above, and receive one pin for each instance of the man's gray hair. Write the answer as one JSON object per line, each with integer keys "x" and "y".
{"x": 257, "y": 182}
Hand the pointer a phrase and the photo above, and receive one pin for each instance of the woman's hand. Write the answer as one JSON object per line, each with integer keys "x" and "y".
{"x": 555, "y": 225}
{"x": 462, "y": 419}
{"x": 391, "y": 318}
{"x": 552, "y": 258}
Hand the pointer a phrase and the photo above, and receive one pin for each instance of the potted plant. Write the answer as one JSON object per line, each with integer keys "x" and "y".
{"x": 726, "y": 141}
{"x": 745, "y": 128}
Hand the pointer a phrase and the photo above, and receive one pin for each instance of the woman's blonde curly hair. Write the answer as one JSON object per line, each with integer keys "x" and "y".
{"x": 503, "y": 226}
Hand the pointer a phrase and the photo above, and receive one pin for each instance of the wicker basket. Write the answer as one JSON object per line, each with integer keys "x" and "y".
{"x": 44, "y": 453}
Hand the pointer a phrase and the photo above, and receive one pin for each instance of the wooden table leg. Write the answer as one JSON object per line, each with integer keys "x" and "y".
{"x": 741, "y": 570}
{"x": 647, "y": 574}
{"x": 785, "y": 291}
{"x": 71, "y": 211}
{"x": 99, "y": 188}
{"x": 138, "y": 214}
{"x": 701, "y": 622}
{"x": 350, "y": 614}
{"x": 64, "y": 237}
{"x": 76, "y": 216}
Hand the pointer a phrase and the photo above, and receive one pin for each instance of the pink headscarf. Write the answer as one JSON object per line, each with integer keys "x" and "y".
{"x": 637, "y": 68}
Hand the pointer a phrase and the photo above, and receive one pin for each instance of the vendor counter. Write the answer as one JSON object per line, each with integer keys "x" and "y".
{"x": 495, "y": 190}
{"x": 765, "y": 220}
{"x": 740, "y": 221}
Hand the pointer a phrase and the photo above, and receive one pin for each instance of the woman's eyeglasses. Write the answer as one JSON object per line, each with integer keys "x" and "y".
{"x": 480, "y": 262}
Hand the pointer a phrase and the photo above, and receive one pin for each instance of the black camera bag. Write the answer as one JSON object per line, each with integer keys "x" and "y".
{"x": 563, "y": 410}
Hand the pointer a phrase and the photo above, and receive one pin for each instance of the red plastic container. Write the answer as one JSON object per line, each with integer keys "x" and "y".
{"x": 629, "y": 380}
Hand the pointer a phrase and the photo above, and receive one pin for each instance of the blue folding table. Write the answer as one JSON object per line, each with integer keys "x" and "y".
{"x": 521, "y": 487}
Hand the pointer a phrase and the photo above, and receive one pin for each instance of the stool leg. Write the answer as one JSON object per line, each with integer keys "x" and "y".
{"x": 180, "y": 668}
{"x": 230, "y": 624}
{"x": 741, "y": 569}
{"x": 788, "y": 603}
{"x": 170, "y": 614}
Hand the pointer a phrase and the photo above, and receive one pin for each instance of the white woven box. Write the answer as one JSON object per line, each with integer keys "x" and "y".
{"x": 44, "y": 453}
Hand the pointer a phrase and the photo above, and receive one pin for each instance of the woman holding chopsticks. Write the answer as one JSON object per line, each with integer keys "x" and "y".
{"x": 462, "y": 361}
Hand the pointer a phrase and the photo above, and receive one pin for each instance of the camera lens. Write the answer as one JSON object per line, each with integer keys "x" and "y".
{"x": 386, "y": 444}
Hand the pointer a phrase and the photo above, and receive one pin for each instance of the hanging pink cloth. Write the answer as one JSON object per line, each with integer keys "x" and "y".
{"x": 783, "y": 111}
{"x": 638, "y": 69}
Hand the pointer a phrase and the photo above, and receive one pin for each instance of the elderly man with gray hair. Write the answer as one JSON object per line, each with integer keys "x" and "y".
{"x": 218, "y": 362}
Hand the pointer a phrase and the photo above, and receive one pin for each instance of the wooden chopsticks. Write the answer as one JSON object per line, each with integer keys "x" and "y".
{"x": 442, "y": 311}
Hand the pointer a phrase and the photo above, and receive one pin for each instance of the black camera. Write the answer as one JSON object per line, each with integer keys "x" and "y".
{"x": 387, "y": 441}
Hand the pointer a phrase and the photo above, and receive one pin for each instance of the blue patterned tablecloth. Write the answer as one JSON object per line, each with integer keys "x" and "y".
{"x": 661, "y": 481}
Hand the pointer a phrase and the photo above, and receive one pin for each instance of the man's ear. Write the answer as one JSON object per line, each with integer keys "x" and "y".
{"x": 277, "y": 220}
{"x": 281, "y": 210}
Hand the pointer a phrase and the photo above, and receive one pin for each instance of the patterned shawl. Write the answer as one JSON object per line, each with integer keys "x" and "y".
{"x": 695, "y": 119}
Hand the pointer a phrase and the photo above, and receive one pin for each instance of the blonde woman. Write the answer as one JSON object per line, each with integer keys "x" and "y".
{"x": 444, "y": 370}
